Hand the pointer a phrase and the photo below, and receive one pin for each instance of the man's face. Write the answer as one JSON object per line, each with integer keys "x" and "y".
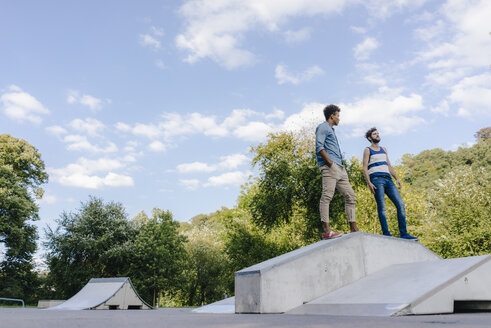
{"x": 335, "y": 118}
{"x": 375, "y": 137}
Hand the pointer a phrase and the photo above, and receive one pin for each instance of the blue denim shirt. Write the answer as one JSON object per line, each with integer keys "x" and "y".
{"x": 325, "y": 138}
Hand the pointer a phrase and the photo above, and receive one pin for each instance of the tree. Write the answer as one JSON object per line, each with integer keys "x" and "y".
{"x": 483, "y": 134}
{"x": 460, "y": 223}
{"x": 423, "y": 169}
{"x": 22, "y": 172}
{"x": 158, "y": 257}
{"x": 96, "y": 241}
{"x": 289, "y": 185}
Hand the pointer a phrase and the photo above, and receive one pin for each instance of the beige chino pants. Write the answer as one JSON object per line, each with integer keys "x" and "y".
{"x": 336, "y": 177}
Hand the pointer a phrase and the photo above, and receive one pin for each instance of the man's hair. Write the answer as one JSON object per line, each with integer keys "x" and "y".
{"x": 329, "y": 110}
{"x": 369, "y": 133}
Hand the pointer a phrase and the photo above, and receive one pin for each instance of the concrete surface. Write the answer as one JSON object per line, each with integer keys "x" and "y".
{"x": 412, "y": 288}
{"x": 184, "y": 318}
{"x": 290, "y": 280}
{"x": 224, "y": 306}
{"x": 105, "y": 293}
{"x": 43, "y": 304}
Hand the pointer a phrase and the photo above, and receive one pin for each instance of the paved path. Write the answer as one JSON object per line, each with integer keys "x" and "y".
{"x": 184, "y": 318}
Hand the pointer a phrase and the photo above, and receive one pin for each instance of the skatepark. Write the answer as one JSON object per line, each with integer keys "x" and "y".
{"x": 360, "y": 279}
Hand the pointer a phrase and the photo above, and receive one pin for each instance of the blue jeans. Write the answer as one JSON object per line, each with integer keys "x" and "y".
{"x": 387, "y": 186}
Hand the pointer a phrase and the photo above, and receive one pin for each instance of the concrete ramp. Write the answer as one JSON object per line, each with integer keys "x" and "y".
{"x": 105, "y": 293}
{"x": 290, "y": 280}
{"x": 224, "y": 306}
{"x": 412, "y": 288}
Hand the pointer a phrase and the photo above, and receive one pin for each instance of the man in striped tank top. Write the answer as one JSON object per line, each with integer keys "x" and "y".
{"x": 378, "y": 173}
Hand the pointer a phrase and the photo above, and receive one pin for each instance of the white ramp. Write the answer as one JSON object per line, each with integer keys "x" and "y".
{"x": 224, "y": 306}
{"x": 290, "y": 280}
{"x": 105, "y": 293}
{"x": 413, "y": 288}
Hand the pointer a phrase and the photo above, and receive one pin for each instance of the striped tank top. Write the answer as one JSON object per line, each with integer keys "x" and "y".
{"x": 377, "y": 163}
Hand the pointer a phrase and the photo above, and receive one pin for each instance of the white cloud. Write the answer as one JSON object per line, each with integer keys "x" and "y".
{"x": 236, "y": 178}
{"x": 147, "y": 130}
{"x": 195, "y": 167}
{"x": 48, "y": 199}
{"x": 232, "y": 161}
{"x": 21, "y": 106}
{"x": 465, "y": 43}
{"x": 81, "y": 174}
{"x": 297, "y": 36}
{"x": 277, "y": 114}
{"x": 253, "y": 131}
{"x": 56, "y": 130}
{"x": 358, "y": 29}
{"x": 87, "y": 100}
{"x": 308, "y": 118}
{"x": 442, "y": 108}
{"x": 174, "y": 124}
{"x": 457, "y": 51}
{"x": 216, "y": 29}
{"x": 90, "y": 126}
{"x": 81, "y": 143}
{"x": 238, "y": 117}
{"x": 430, "y": 32}
{"x": 283, "y": 76}
{"x": 371, "y": 73}
{"x": 131, "y": 146}
{"x": 228, "y": 162}
{"x": 190, "y": 184}
{"x": 118, "y": 180}
{"x": 147, "y": 40}
{"x": 363, "y": 50}
{"x": 157, "y": 146}
{"x": 473, "y": 96}
{"x": 388, "y": 109}
{"x": 157, "y": 31}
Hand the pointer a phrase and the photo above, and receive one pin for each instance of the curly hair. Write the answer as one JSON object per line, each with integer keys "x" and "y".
{"x": 329, "y": 110}
{"x": 368, "y": 134}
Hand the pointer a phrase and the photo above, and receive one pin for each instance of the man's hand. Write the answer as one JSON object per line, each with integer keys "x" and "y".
{"x": 399, "y": 185}
{"x": 372, "y": 187}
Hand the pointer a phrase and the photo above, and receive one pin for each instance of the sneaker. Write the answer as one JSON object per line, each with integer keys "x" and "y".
{"x": 409, "y": 237}
{"x": 387, "y": 234}
{"x": 331, "y": 235}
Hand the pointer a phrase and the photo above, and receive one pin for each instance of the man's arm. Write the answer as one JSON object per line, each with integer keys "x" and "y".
{"x": 325, "y": 157}
{"x": 366, "y": 157}
{"x": 391, "y": 170}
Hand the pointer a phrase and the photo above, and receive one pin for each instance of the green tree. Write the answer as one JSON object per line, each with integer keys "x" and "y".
{"x": 289, "y": 186}
{"x": 96, "y": 241}
{"x": 460, "y": 224}
{"x": 22, "y": 172}
{"x": 424, "y": 169}
{"x": 158, "y": 258}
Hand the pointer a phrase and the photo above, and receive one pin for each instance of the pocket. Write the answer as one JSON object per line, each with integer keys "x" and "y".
{"x": 326, "y": 171}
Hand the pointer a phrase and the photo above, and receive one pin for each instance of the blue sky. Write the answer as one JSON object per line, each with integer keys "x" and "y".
{"x": 156, "y": 103}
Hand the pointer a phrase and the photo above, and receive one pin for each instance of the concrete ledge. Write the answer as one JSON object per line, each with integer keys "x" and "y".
{"x": 290, "y": 280}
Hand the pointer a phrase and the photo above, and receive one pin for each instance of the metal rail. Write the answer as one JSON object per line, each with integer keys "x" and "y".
{"x": 13, "y": 300}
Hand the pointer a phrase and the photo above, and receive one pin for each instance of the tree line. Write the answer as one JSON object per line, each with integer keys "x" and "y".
{"x": 446, "y": 193}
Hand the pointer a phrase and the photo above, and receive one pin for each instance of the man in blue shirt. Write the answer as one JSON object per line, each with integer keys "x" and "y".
{"x": 334, "y": 175}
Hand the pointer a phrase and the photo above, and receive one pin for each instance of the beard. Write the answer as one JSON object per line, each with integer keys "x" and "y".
{"x": 376, "y": 141}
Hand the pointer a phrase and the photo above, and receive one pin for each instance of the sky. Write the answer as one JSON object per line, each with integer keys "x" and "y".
{"x": 157, "y": 103}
